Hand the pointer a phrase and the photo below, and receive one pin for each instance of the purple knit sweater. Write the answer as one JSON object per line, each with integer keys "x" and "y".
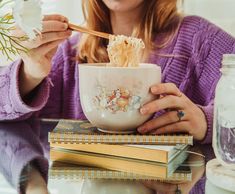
{"x": 196, "y": 74}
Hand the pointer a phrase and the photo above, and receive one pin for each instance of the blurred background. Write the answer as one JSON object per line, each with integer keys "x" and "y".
{"x": 220, "y": 12}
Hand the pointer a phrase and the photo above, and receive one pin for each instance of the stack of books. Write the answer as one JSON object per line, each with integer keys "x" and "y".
{"x": 116, "y": 156}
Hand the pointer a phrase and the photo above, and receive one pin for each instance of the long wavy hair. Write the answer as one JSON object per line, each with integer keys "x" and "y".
{"x": 159, "y": 17}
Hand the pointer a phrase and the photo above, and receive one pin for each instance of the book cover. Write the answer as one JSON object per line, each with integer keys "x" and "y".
{"x": 81, "y": 131}
{"x": 75, "y": 172}
{"x": 142, "y": 167}
{"x": 157, "y": 153}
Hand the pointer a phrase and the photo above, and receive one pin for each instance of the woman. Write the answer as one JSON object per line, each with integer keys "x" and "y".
{"x": 188, "y": 49}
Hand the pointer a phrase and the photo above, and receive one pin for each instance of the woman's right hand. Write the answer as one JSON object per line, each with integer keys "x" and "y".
{"x": 37, "y": 62}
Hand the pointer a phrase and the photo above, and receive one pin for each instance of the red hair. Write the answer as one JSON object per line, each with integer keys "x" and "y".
{"x": 159, "y": 16}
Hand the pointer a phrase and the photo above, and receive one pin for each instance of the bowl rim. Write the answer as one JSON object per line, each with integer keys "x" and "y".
{"x": 103, "y": 66}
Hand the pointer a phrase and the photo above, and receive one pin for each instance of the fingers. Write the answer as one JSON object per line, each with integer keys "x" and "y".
{"x": 51, "y": 23}
{"x": 179, "y": 127}
{"x": 47, "y": 38}
{"x": 171, "y": 98}
{"x": 166, "y": 102}
{"x": 55, "y": 17}
{"x": 54, "y": 26}
{"x": 46, "y": 48}
{"x": 52, "y": 36}
{"x": 166, "y": 88}
{"x": 166, "y": 119}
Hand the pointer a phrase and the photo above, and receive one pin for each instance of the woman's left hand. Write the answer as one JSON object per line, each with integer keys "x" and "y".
{"x": 182, "y": 114}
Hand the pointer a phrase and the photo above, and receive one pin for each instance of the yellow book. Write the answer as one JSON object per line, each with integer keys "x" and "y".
{"x": 143, "y": 167}
{"x": 76, "y": 172}
{"x": 81, "y": 131}
{"x": 156, "y": 153}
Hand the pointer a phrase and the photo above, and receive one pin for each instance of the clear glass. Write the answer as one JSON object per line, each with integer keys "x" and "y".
{"x": 224, "y": 115}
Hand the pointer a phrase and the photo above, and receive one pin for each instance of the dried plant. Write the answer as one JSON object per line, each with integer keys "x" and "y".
{"x": 11, "y": 14}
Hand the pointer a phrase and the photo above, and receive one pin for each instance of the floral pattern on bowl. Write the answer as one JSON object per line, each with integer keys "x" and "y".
{"x": 117, "y": 100}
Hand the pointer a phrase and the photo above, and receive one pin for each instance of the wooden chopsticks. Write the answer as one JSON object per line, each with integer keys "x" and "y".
{"x": 92, "y": 32}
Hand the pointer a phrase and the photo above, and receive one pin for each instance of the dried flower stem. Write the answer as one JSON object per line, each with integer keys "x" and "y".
{"x": 9, "y": 44}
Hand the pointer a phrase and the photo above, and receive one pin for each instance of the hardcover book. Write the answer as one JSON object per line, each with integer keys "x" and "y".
{"x": 124, "y": 164}
{"x": 156, "y": 153}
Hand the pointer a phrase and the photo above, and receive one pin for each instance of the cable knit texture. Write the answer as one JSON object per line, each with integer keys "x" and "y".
{"x": 198, "y": 47}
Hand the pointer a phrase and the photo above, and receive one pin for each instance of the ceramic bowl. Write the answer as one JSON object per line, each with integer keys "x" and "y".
{"x": 111, "y": 97}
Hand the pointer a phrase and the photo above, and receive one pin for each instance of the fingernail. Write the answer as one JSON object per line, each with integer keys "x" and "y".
{"x": 66, "y": 26}
{"x": 144, "y": 111}
{"x": 154, "y": 89}
{"x": 180, "y": 94}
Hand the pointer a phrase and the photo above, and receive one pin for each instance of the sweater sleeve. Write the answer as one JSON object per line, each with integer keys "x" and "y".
{"x": 211, "y": 43}
{"x": 12, "y": 106}
{"x": 209, "y": 112}
{"x": 19, "y": 145}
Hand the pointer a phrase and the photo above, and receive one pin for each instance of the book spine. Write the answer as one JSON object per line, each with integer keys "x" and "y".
{"x": 102, "y": 174}
{"x": 121, "y": 139}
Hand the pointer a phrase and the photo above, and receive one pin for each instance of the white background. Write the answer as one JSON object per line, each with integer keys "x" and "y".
{"x": 70, "y": 8}
{"x": 221, "y": 12}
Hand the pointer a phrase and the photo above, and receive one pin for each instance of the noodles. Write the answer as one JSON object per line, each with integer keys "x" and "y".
{"x": 124, "y": 51}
